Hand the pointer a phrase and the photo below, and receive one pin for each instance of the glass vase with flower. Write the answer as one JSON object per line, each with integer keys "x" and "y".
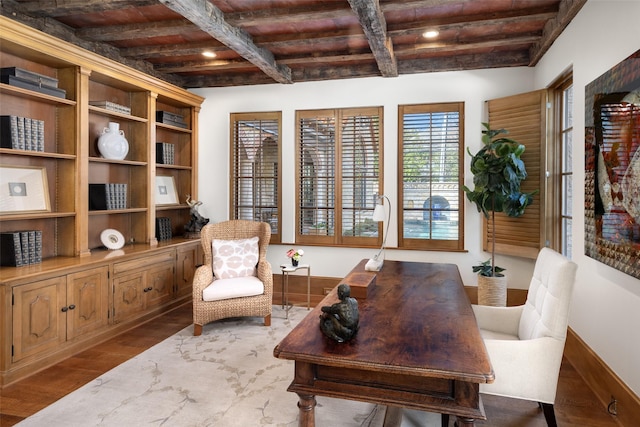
{"x": 295, "y": 255}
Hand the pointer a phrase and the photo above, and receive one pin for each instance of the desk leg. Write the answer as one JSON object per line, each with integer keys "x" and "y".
{"x": 306, "y": 410}
{"x": 464, "y": 421}
{"x": 392, "y": 417}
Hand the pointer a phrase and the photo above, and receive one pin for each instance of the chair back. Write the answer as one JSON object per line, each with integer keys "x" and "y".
{"x": 235, "y": 229}
{"x": 546, "y": 311}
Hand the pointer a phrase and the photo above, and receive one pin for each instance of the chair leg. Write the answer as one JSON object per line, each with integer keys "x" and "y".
{"x": 197, "y": 330}
{"x": 267, "y": 320}
{"x": 549, "y": 414}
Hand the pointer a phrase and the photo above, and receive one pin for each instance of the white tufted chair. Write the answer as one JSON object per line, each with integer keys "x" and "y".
{"x": 525, "y": 343}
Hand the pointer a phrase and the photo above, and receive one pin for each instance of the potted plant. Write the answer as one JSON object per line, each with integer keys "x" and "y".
{"x": 497, "y": 171}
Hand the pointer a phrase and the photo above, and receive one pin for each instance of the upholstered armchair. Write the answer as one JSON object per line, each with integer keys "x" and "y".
{"x": 526, "y": 343}
{"x": 235, "y": 279}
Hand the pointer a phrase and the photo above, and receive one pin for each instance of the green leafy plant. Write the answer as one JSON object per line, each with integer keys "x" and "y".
{"x": 497, "y": 171}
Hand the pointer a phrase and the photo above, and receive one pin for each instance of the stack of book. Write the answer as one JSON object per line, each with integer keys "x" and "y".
{"x": 168, "y": 118}
{"x": 108, "y": 196}
{"x": 111, "y": 106}
{"x": 21, "y": 133}
{"x": 24, "y": 79}
{"x": 163, "y": 228}
{"x": 165, "y": 153}
{"x": 20, "y": 248}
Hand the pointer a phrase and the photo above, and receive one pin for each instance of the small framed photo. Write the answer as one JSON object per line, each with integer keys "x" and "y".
{"x": 166, "y": 193}
{"x": 23, "y": 189}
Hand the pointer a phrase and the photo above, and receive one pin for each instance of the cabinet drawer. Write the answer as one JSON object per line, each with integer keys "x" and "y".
{"x": 141, "y": 263}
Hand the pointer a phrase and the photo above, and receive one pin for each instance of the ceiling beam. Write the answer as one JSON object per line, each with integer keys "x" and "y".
{"x": 76, "y": 7}
{"x": 374, "y": 26}
{"x": 552, "y": 29}
{"x": 211, "y": 20}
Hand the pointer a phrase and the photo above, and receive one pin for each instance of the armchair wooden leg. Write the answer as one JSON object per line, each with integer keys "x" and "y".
{"x": 549, "y": 414}
{"x": 197, "y": 330}
{"x": 267, "y": 320}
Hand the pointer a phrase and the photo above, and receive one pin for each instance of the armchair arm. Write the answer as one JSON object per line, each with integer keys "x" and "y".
{"x": 201, "y": 279}
{"x": 505, "y": 320}
{"x": 265, "y": 274}
{"x": 526, "y": 369}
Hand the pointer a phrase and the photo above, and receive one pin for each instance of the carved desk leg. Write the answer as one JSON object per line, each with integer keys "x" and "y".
{"x": 464, "y": 421}
{"x": 307, "y": 413}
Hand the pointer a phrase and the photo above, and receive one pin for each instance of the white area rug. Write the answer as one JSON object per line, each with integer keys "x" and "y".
{"x": 226, "y": 377}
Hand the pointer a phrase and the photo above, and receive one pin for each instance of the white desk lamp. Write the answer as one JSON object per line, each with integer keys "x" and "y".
{"x": 375, "y": 263}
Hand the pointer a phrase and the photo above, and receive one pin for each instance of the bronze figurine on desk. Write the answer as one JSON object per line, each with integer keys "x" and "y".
{"x": 340, "y": 320}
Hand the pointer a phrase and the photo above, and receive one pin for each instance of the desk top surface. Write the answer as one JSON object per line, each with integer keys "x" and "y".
{"x": 417, "y": 320}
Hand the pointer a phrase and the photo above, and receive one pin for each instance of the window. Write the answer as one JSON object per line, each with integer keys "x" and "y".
{"x": 256, "y": 176}
{"x": 565, "y": 113}
{"x": 339, "y": 172}
{"x": 430, "y": 153}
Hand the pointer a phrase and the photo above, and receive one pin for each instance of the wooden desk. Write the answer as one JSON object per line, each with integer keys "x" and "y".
{"x": 418, "y": 347}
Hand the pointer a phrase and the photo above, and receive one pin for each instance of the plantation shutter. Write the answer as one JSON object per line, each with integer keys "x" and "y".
{"x": 339, "y": 172}
{"x": 360, "y": 173}
{"x": 524, "y": 116}
{"x": 255, "y": 165}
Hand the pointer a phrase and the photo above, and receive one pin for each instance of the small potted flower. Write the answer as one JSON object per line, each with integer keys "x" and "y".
{"x": 295, "y": 255}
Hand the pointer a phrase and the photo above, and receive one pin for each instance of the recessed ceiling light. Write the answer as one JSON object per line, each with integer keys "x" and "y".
{"x": 430, "y": 34}
{"x": 208, "y": 54}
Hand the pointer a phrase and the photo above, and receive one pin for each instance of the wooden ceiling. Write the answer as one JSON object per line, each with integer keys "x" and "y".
{"x": 289, "y": 41}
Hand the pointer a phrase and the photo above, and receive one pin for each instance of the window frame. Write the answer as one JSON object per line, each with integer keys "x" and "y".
{"x": 275, "y": 221}
{"x": 367, "y": 202}
{"x": 431, "y": 244}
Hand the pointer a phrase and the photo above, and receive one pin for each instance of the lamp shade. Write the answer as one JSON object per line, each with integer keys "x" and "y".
{"x": 378, "y": 213}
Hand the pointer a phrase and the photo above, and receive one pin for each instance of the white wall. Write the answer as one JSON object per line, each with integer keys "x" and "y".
{"x": 472, "y": 87}
{"x": 606, "y": 305}
{"x": 606, "y": 309}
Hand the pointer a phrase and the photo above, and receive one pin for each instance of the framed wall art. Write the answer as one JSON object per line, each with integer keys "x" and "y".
{"x": 23, "y": 189}
{"x": 166, "y": 193}
{"x": 612, "y": 167}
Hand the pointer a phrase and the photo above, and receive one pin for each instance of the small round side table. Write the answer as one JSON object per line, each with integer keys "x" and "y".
{"x": 286, "y": 270}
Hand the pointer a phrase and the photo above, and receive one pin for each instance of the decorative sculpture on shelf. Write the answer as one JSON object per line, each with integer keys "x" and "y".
{"x": 340, "y": 320}
{"x": 193, "y": 227}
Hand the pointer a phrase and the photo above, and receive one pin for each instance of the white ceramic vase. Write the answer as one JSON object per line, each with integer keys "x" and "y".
{"x": 112, "y": 144}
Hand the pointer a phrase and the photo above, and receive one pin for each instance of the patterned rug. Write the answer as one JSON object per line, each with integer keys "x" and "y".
{"x": 226, "y": 377}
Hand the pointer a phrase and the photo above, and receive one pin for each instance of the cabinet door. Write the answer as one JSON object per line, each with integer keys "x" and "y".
{"x": 87, "y": 301}
{"x": 38, "y": 320}
{"x": 185, "y": 269}
{"x": 159, "y": 282}
{"x": 128, "y": 295}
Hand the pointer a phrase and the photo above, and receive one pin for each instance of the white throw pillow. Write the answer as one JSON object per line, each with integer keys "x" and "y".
{"x": 235, "y": 258}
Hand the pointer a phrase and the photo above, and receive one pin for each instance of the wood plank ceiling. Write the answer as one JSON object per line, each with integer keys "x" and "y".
{"x": 289, "y": 41}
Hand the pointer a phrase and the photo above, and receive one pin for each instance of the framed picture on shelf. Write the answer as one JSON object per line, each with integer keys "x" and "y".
{"x": 166, "y": 193}
{"x": 23, "y": 189}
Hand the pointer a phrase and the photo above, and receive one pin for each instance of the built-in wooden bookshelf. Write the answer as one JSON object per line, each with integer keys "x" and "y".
{"x": 81, "y": 292}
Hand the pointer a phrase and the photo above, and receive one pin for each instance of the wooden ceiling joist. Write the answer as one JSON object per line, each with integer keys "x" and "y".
{"x": 211, "y": 20}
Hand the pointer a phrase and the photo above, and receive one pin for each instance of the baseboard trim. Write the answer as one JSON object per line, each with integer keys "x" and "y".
{"x": 601, "y": 379}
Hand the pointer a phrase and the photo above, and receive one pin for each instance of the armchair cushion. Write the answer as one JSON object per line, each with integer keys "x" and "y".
{"x": 235, "y": 258}
{"x": 233, "y": 288}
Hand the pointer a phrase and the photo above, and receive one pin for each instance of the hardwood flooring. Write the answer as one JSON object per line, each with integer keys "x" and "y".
{"x": 576, "y": 405}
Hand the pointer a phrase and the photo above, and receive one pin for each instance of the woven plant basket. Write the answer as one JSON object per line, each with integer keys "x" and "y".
{"x": 492, "y": 291}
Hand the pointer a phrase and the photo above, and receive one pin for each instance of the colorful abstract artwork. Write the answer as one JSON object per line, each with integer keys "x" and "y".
{"x": 612, "y": 162}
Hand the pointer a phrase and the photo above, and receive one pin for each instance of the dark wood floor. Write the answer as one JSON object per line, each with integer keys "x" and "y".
{"x": 575, "y": 405}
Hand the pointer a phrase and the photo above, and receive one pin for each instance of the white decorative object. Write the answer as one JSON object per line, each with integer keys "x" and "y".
{"x": 112, "y": 144}
{"x": 112, "y": 239}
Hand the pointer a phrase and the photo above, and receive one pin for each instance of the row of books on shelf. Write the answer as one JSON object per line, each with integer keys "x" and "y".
{"x": 21, "y": 133}
{"x": 111, "y": 106}
{"x": 165, "y": 153}
{"x": 107, "y": 196}
{"x": 26, "y": 79}
{"x": 20, "y": 248}
{"x": 163, "y": 228}
{"x": 172, "y": 119}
